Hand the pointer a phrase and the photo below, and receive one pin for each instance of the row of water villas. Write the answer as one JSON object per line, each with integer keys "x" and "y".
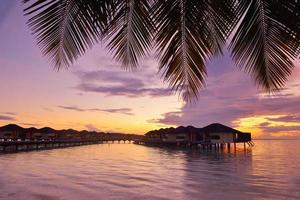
{"x": 13, "y": 132}
{"x": 14, "y": 138}
{"x": 212, "y": 136}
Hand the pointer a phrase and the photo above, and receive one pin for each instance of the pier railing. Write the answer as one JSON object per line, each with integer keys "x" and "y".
{"x": 15, "y": 146}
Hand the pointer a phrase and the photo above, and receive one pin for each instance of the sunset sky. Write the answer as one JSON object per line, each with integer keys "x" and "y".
{"x": 97, "y": 94}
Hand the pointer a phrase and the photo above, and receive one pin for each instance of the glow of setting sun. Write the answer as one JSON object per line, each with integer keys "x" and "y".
{"x": 256, "y": 124}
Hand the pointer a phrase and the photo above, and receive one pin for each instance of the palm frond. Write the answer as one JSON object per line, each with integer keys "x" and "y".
{"x": 267, "y": 40}
{"x": 130, "y": 31}
{"x": 66, "y": 28}
{"x": 189, "y": 32}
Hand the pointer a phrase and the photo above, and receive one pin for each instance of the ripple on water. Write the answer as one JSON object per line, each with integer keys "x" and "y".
{"x": 127, "y": 171}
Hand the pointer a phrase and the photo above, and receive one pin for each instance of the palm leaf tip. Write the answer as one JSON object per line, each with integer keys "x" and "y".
{"x": 130, "y": 31}
{"x": 64, "y": 29}
{"x": 265, "y": 44}
{"x": 189, "y": 33}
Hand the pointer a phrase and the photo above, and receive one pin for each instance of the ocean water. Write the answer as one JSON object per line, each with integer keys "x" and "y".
{"x": 270, "y": 170}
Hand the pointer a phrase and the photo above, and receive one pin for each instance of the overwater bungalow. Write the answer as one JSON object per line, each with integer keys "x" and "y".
{"x": 213, "y": 134}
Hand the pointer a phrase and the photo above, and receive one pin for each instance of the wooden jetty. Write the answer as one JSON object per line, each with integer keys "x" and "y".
{"x": 17, "y": 146}
{"x": 14, "y": 138}
{"x": 203, "y": 145}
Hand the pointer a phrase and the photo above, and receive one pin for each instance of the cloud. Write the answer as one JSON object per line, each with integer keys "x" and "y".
{"x": 9, "y": 113}
{"x": 168, "y": 118}
{"x": 231, "y": 95}
{"x": 109, "y": 76}
{"x": 285, "y": 127}
{"x": 227, "y": 110}
{"x": 287, "y": 118}
{"x": 31, "y": 124}
{"x": 74, "y": 108}
{"x": 287, "y": 130}
{"x": 6, "y": 6}
{"x": 276, "y": 129}
{"x": 119, "y": 83}
{"x": 125, "y": 111}
{"x": 7, "y": 118}
{"x": 264, "y": 124}
{"x": 226, "y": 97}
{"x": 124, "y": 90}
{"x": 91, "y": 127}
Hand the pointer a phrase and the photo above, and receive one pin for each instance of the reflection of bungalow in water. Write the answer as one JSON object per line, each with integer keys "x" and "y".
{"x": 211, "y": 134}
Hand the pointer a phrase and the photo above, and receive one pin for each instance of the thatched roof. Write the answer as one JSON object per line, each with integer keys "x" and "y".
{"x": 12, "y": 127}
{"x": 180, "y": 129}
{"x": 219, "y": 128}
{"x": 212, "y": 128}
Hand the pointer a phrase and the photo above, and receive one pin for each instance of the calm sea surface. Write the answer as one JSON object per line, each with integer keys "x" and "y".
{"x": 271, "y": 170}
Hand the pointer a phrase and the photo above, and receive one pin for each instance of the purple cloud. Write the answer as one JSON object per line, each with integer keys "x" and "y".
{"x": 287, "y": 118}
{"x": 168, "y": 118}
{"x": 9, "y": 113}
{"x": 106, "y": 76}
{"x": 275, "y": 129}
{"x": 124, "y": 90}
{"x": 31, "y": 124}
{"x": 231, "y": 95}
{"x": 268, "y": 128}
{"x": 7, "y": 118}
{"x": 125, "y": 111}
{"x": 227, "y": 110}
{"x": 265, "y": 124}
{"x": 6, "y": 6}
{"x": 119, "y": 83}
{"x": 74, "y": 108}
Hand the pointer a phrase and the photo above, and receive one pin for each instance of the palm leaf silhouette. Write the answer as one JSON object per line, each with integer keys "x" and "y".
{"x": 64, "y": 29}
{"x": 264, "y": 35}
{"x": 130, "y": 31}
{"x": 267, "y": 41}
{"x": 188, "y": 34}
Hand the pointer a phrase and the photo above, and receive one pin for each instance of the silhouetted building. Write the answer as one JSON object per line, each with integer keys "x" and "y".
{"x": 213, "y": 133}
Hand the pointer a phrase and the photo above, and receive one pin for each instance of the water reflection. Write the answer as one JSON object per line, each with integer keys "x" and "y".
{"x": 126, "y": 171}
